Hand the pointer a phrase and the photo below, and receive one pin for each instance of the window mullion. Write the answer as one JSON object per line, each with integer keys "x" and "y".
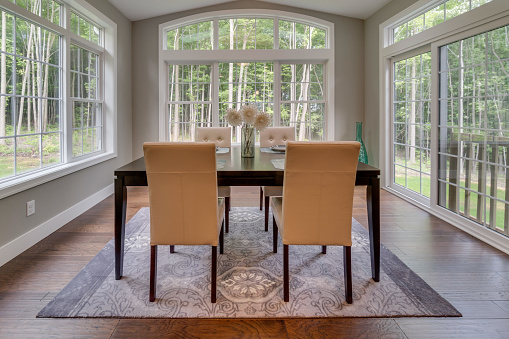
{"x": 276, "y": 33}
{"x": 215, "y": 93}
{"x": 276, "y": 119}
{"x": 215, "y": 37}
{"x": 66, "y": 90}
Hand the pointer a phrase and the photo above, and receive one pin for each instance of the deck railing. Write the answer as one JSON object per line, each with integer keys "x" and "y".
{"x": 486, "y": 147}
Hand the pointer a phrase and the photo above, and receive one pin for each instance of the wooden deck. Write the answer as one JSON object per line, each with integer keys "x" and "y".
{"x": 473, "y": 276}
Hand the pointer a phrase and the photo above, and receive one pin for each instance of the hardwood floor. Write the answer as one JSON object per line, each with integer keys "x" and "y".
{"x": 473, "y": 276}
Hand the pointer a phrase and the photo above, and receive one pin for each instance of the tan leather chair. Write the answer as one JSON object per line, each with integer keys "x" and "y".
{"x": 269, "y": 137}
{"x": 184, "y": 208}
{"x": 317, "y": 202}
{"x": 222, "y": 137}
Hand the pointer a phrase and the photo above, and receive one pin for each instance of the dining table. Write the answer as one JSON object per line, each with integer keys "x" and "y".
{"x": 234, "y": 170}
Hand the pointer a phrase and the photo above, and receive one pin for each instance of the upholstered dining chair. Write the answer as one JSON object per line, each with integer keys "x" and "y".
{"x": 316, "y": 206}
{"x": 184, "y": 208}
{"x": 269, "y": 137}
{"x": 222, "y": 137}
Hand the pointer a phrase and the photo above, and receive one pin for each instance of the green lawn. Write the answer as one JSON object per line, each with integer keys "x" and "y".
{"x": 413, "y": 183}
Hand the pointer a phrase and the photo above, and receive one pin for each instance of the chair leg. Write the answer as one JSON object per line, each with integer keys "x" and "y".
{"x": 221, "y": 239}
{"x": 227, "y": 213}
{"x": 286, "y": 274}
{"x": 347, "y": 257}
{"x": 324, "y": 249}
{"x": 172, "y": 248}
{"x": 261, "y": 198}
{"x": 274, "y": 235}
{"x": 267, "y": 202}
{"x": 153, "y": 272}
{"x": 213, "y": 275}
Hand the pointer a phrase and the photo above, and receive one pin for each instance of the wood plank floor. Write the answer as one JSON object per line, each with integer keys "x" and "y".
{"x": 473, "y": 276}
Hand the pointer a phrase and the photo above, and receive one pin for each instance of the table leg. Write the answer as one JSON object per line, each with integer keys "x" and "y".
{"x": 373, "y": 205}
{"x": 120, "y": 210}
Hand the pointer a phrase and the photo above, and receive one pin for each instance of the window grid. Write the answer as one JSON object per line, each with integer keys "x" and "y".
{"x": 474, "y": 128}
{"x": 412, "y": 124}
{"x": 303, "y": 100}
{"x": 250, "y": 83}
{"x": 30, "y": 126}
{"x": 87, "y": 126}
{"x": 189, "y": 100}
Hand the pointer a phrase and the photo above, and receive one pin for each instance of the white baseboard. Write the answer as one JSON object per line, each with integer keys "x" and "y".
{"x": 17, "y": 246}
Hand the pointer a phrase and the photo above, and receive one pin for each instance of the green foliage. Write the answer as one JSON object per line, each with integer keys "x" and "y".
{"x": 443, "y": 11}
{"x": 85, "y": 28}
{"x": 246, "y": 33}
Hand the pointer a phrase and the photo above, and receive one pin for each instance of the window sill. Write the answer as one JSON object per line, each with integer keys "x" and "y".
{"x": 17, "y": 185}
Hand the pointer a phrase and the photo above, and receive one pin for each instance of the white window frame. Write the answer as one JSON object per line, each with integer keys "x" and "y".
{"x": 481, "y": 19}
{"x": 277, "y": 56}
{"x": 91, "y": 47}
{"x": 414, "y": 195}
{"x": 109, "y": 94}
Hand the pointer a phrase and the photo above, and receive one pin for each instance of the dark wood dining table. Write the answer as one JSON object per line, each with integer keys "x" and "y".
{"x": 238, "y": 171}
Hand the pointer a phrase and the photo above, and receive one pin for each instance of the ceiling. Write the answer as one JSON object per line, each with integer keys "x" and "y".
{"x": 143, "y": 9}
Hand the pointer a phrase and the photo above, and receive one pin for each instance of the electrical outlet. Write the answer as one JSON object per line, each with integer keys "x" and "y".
{"x": 30, "y": 207}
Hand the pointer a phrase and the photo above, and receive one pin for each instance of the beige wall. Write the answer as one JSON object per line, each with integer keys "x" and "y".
{"x": 56, "y": 196}
{"x": 372, "y": 98}
{"x": 349, "y": 75}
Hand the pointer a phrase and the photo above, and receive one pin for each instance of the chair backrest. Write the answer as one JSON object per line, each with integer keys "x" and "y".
{"x": 276, "y": 136}
{"x": 222, "y": 136}
{"x": 318, "y": 191}
{"x": 182, "y": 186}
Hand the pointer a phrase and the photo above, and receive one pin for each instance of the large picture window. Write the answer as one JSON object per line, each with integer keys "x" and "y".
{"x": 446, "y": 138}
{"x": 278, "y": 81}
{"x": 474, "y": 128}
{"x": 54, "y": 60}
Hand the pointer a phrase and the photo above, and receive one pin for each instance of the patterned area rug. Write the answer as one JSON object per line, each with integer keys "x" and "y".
{"x": 249, "y": 280}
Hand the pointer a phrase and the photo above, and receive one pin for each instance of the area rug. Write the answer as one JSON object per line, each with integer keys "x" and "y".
{"x": 249, "y": 280}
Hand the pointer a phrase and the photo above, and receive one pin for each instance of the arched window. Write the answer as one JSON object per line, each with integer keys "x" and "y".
{"x": 273, "y": 60}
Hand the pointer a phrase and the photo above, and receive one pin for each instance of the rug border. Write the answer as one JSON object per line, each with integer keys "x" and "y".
{"x": 391, "y": 264}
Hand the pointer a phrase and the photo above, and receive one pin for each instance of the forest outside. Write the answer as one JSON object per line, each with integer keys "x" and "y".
{"x": 301, "y": 91}
{"x": 31, "y": 110}
{"x": 473, "y": 127}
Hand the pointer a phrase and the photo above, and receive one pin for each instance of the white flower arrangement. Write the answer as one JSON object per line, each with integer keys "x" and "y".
{"x": 249, "y": 116}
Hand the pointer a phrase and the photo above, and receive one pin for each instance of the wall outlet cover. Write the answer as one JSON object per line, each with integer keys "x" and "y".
{"x": 30, "y": 208}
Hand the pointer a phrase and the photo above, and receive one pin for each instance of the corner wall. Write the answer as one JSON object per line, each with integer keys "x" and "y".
{"x": 372, "y": 79}
{"x": 349, "y": 69}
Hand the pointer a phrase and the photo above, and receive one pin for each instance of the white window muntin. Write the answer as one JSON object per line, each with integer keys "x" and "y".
{"x": 276, "y": 56}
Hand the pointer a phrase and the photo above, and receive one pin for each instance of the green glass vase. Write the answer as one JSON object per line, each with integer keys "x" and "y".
{"x": 363, "y": 155}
